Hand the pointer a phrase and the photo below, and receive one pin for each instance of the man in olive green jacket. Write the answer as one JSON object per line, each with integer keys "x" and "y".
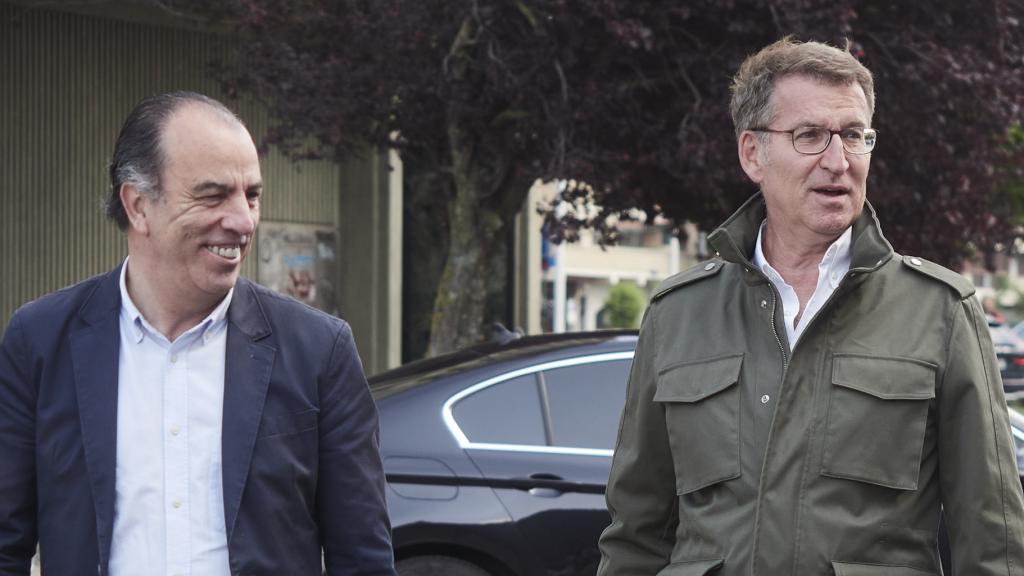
{"x": 808, "y": 401}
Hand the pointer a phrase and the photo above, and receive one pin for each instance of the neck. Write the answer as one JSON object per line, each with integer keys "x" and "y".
{"x": 788, "y": 253}
{"x": 161, "y": 304}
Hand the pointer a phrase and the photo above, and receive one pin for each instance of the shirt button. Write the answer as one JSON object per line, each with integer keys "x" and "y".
{"x": 915, "y": 261}
{"x": 176, "y": 504}
{"x": 765, "y": 399}
{"x": 174, "y": 358}
{"x": 709, "y": 266}
{"x": 175, "y": 430}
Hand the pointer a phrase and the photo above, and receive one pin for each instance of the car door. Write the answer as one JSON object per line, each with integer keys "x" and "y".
{"x": 543, "y": 436}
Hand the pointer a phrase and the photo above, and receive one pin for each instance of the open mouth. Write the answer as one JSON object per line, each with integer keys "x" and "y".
{"x": 228, "y": 251}
{"x": 832, "y": 190}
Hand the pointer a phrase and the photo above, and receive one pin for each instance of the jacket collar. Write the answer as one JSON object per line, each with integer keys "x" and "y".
{"x": 250, "y": 354}
{"x": 245, "y": 313}
{"x": 95, "y": 345}
{"x": 734, "y": 239}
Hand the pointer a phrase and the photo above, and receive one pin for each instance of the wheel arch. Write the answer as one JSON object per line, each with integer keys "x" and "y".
{"x": 481, "y": 558}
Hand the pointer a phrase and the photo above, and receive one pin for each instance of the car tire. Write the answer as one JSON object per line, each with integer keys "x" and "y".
{"x": 438, "y": 566}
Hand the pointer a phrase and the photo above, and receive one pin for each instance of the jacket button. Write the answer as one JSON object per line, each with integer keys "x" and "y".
{"x": 765, "y": 399}
{"x": 709, "y": 266}
{"x": 764, "y": 303}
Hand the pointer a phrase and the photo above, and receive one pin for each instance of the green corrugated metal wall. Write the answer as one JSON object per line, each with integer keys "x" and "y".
{"x": 67, "y": 81}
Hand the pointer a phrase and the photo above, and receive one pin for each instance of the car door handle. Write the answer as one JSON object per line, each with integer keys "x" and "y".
{"x": 543, "y": 491}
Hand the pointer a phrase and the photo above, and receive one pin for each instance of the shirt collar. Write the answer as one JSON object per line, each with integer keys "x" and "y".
{"x": 216, "y": 320}
{"x": 836, "y": 261}
{"x": 833, "y": 265}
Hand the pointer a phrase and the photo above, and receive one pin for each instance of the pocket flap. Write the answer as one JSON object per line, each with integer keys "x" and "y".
{"x": 695, "y": 381}
{"x": 853, "y": 569}
{"x": 885, "y": 377}
{"x": 289, "y": 423}
{"x": 695, "y": 568}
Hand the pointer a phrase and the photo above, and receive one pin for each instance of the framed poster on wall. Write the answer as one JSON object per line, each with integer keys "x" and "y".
{"x": 299, "y": 260}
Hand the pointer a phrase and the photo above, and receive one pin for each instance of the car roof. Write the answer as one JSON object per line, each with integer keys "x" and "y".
{"x": 391, "y": 381}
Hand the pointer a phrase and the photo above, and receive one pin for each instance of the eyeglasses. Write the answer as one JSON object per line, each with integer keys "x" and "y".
{"x": 812, "y": 140}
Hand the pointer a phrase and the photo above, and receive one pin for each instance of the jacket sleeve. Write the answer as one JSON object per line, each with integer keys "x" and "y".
{"x": 641, "y": 492}
{"x": 353, "y": 516}
{"x": 981, "y": 490}
{"x": 17, "y": 454}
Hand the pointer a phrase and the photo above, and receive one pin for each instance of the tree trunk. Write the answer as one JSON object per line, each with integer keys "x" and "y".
{"x": 486, "y": 198}
{"x": 476, "y": 234}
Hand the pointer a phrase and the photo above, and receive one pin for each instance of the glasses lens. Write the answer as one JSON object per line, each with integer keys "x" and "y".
{"x": 810, "y": 139}
{"x": 868, "y": 141}
{"x": 858, "y": 140}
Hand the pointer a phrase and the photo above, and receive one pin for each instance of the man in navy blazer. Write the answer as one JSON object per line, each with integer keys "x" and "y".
{"x": 101, "y": 383}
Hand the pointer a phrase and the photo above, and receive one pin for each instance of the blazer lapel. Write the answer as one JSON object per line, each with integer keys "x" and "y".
{"x": 248, "y": 365}
{"x": 94, "y": 355}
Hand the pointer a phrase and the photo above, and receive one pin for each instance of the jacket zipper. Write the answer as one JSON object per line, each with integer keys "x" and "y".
{"x": 775, "y": 331}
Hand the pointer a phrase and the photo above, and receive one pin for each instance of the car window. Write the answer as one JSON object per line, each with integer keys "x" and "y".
{"x": 505, "y": 413}
{"x": 1018, "y": 444}
{"x": 585, "y": 402}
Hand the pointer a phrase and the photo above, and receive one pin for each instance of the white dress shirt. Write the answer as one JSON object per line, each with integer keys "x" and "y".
{"x": 831, "y": 269}
{"x": 169, "y": 500}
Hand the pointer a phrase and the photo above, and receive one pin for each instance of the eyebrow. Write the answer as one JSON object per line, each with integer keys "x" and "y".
{"x": 211, "y": 185}
{"x": 853, "y": 124}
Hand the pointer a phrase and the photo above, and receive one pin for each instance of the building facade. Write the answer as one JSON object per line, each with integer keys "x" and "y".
{"x": 69, "y": 77}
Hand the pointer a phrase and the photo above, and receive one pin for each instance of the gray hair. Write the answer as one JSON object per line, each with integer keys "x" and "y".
{"x": 754, "y": 83}
{"x": 138, "y": 154}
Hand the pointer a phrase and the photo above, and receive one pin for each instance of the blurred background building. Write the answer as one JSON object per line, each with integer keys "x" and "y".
{"x": 69, "y": 75}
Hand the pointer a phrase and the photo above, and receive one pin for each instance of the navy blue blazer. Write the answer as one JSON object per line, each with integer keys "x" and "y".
{"x": 301, "y": 465}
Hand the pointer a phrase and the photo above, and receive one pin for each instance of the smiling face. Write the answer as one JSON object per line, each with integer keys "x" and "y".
{"x": 191, "y": 240}
{"x": 810, "y": 198}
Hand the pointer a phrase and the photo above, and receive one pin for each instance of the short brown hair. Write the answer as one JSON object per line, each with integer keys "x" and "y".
{"x": 754, "y": 83}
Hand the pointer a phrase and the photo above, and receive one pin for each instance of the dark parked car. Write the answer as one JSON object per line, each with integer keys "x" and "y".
{"x": 1010, "y": 354}
{"x": 497, "y": 456}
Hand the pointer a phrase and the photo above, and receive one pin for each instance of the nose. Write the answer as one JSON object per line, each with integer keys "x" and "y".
{"x": 834, "y": 158}
{"x": 240, "y": 216}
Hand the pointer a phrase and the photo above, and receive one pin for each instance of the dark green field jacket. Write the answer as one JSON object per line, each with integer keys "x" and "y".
{"x": 737, "y": 456}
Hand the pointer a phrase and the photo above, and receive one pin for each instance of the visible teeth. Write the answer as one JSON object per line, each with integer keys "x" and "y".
{"x": 229, "y": 252}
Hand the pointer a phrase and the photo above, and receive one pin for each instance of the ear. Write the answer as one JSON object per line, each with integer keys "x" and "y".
{"x": 135, "y": 204}
{"x": 752, "y": 156}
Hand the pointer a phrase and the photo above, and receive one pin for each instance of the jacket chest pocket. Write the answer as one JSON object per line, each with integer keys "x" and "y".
{"x": 702, "y": 415}
{"x": 877, "y": 417}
